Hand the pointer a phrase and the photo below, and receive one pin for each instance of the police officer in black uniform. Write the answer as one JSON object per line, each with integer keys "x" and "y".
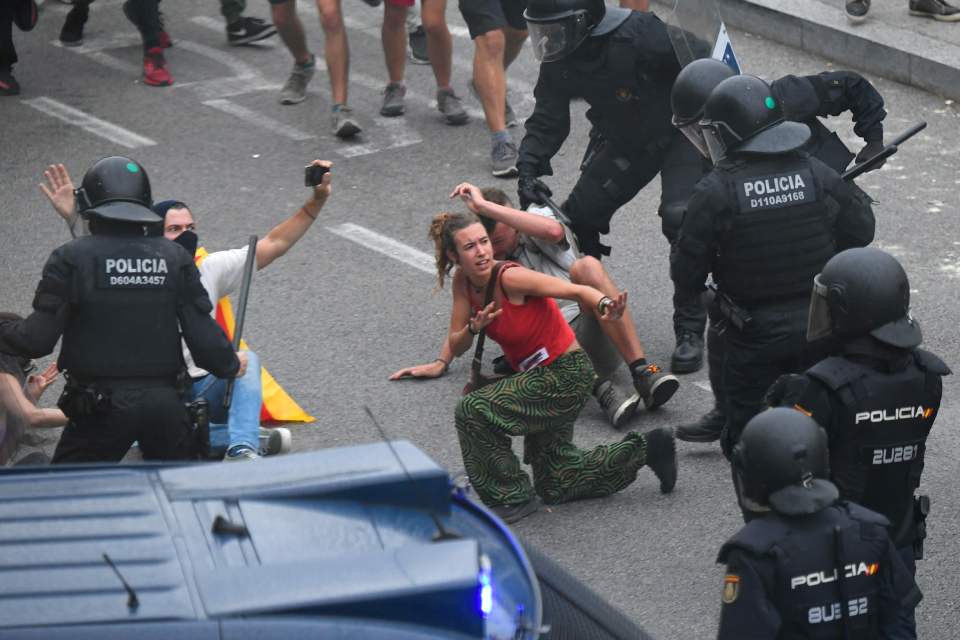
{"x": 877, "y": 397}
{"x": 117, "y": 297}
{"x": 803, "y": 99}
{"x": 810, "y": 566}
{"x": 623, "y": 65}
{"x": 763, "y": 222}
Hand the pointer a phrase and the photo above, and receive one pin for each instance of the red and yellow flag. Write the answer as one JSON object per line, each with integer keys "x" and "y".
{"x": 277, "y": 405}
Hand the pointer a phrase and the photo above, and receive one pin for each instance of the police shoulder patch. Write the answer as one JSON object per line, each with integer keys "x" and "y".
{"x": 731, "y": 588}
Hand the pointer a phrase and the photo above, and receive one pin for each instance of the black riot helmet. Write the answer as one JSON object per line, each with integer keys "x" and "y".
{"x": 690, "y": 92}
{"x": 117, "y": 188}
{"x": 558, "y": 27}
{"x": 863, "y": 291}
{"x": 782, "y": 462}
{"x": 742, "y": 115}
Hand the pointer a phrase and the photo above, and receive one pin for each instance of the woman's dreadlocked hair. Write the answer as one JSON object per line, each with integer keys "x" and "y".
{"x": 442, "y": 229}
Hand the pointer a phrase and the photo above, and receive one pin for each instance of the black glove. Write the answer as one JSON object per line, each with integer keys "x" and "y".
{"x": 869, "y": 150}
{"x": 532, "y": 191}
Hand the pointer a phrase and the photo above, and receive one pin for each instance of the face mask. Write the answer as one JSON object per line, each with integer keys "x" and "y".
{"x": 188, "y": 240}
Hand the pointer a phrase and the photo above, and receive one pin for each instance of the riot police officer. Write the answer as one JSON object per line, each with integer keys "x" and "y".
{"x": 810, "y": 566}
{"x": 803, "y": 99}
{"x": 763, "y": 222}
{"x": 877, "y": 397}
{"x": 117, "y": 298}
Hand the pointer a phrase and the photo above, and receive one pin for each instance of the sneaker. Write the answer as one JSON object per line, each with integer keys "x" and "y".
{"x": 417, "y": 46}
{"x": 451, "y": 107}
{"x": 275, "y": 441}
{"x": 8, "y": 84}
{"x": 155, "y": 71}
{"x": 707, "y": 429}
{"x": 655, "y": 386}
{"x": 857, "y": 10}
{"x": 71, "y": 35}
{"x": 616, "y": 407}
{"x": 936, "y": 9}
{"x": 240, "y": 452}
{"x": 25, "y": 14}
{"x": 662, "y": 457}
{"x": 373, "y": 3}
{"x": 688, "y": 355}
{"x": 393, "y": 96}
{"x": 246, "y": 30}
{"x": 343, "y": 124}
{"x": 511, "y": 513}
{"x": 295, "y": 90}
{"x": 504, "y": 158}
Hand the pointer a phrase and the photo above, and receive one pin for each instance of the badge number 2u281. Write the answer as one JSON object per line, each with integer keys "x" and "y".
{"x": 731, "y": 588}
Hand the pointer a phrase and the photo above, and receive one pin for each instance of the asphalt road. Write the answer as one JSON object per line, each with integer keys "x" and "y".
{"x": 334, "y": 318}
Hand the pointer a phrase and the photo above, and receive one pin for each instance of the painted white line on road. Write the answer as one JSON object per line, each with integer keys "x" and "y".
{"x": 387, "y": 246}
{"x": 96, "y": 51}
{"x": 259, "y": 120}
{"x": 96, "y": 126}
{"x": 703, "y": 384}
{"x": 400, "y": 136}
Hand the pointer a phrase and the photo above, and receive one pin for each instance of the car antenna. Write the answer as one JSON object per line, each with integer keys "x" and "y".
{"x": 442, "y": 533}
{"x": 132, "y": 601}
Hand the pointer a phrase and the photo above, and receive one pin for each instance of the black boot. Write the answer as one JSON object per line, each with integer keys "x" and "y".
{"x": 71, "y": 35}
{"x": 706, "y": 429}
{"x": 662, "y": 457}
{"x": 688, "y": 355}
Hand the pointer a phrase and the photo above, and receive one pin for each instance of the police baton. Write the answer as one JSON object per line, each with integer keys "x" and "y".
{"x": 241, "y": 310}
{"x": 557, "y": 211}
{"x": 885, "y": 153}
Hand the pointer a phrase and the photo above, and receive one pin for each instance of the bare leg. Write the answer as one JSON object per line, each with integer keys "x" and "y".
{"x": 393, "y": 34}
{"x": 291, "y": 30}
{"x": 335, "y": 48}
{"x": 623, "y": 333}
{"x": 514, "y": 45}
{"x": 439, "y": 43}
{"x": 490, "y": 78}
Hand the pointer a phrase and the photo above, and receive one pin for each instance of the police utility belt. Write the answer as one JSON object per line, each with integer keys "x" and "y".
{"x": 82, "y": 397}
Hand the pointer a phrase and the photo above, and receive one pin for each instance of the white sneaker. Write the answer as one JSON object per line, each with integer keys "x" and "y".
{"x": 275, "y": 441}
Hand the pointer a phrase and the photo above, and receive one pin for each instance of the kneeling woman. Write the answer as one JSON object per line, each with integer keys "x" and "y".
{"x": 541, "y": 402}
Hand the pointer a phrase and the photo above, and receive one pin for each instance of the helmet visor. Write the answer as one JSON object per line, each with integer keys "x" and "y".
{"x": 716, "y": 147}
{"x": 557, "y": 39}
{"x": 819, "y": 324}
{"x": 695, "y": 135}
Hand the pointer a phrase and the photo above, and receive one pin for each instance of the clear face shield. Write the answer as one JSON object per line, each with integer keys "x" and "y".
{"x": 555, "y": 40}
{"x": 694, "y": 135}
{"x": 716, "y": 147}
{"x": 818, "y": 321}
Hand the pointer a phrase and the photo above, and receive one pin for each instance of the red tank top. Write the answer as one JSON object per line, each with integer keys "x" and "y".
{"x": 531, "y": 334}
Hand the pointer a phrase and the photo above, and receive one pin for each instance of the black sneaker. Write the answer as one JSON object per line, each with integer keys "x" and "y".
{"x": 857, "y": 10}
{"x": 936, "y": 9}
{"x": 707, "y": 429}
{"x": 618, "y": 408}
{"x": 654, "y": 386}
{"x": 373, "y": 3}
{"x": 246, "y": 30}
{"x": 662, "y": 457}
{"x": 688, "y": 355}
{"x": 8, "y": 84}
{"x": 25, "y": 14}
{"x": 71, "y": 35}
{"x": 417, "y": 46}
{"x": 511, "y": 513}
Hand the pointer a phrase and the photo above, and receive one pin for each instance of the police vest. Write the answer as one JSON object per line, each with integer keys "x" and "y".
{"x": 123, "y": 307}
{"x": 828, "y": 570}
{"x": 878, "y": 440}
{"x": 778, "y": 231}
{"x": 629, "y": 105}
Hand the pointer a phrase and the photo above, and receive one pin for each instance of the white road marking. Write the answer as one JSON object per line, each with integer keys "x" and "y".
{"x": 387, "y": 246}
{"x": 96, "y": 51}
{"x": 400, "y": 136}
{"x": 113, "y": 133}
{"x": 703, "y": 384}
{"x": 259, "y": 120}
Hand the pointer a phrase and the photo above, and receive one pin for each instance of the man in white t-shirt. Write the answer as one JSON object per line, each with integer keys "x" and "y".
{"x": 539, "y": 241}
{"x": 221, "y": 274}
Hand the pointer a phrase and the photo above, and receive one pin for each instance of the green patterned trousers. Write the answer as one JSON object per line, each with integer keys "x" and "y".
{"x": 541, "y": 405}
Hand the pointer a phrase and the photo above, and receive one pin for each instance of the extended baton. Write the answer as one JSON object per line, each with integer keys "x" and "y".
{"x": 241, "y": 310}
{"x": 885, "y": 153}
{"x": 557, "y": 211}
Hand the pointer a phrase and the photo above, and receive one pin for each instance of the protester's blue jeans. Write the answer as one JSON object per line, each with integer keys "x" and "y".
{"x": 242, "y": 425}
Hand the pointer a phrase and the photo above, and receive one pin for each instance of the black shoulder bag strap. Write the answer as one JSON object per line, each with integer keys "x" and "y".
{"x": 481, "y": 337}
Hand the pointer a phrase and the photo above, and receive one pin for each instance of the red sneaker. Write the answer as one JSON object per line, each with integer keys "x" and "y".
{"x": 165, "y": 41}
{"x": 155, "y": 71}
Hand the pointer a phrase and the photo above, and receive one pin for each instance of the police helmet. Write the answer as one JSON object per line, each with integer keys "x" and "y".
{"x": 782, "y": 461}
{"x": 689, "y": 93}
{"x": 742, "y": 115}
{"x": 558, "y": 27}
{"x": 863, "y": 291}
{"x": 117, "y": 188}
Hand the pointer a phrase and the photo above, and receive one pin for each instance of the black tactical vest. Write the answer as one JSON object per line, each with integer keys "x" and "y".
{"x": 123, "y": 307}
{"x": 878, "y": 440}
{"x": 828, "y": 567}
{"x": 778, "y": 232}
